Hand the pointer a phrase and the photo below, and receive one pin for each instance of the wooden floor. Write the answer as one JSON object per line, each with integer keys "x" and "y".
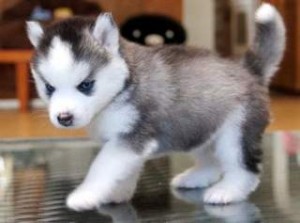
{"x": 285, "y": 112}
{"x": 285, "y": 109}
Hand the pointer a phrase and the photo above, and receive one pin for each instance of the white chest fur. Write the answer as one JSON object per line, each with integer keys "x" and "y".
{"x": 117, "y": 118}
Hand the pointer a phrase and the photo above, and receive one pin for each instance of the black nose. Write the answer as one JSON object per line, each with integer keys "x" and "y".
{"x": 65, "y": 119}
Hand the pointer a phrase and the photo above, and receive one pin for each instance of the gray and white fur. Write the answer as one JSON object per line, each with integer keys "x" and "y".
{"x": 140, "y": 102}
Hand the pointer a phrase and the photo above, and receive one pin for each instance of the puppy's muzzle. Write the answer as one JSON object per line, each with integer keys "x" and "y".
{"x": 65, "y": 119}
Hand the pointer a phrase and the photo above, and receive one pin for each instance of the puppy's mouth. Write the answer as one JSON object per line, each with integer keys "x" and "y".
{"x": 66, "y": 121}
{"x": 72, "y": 125}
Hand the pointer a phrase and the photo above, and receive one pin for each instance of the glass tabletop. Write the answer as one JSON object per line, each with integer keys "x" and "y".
{"x": 37, "y": 175}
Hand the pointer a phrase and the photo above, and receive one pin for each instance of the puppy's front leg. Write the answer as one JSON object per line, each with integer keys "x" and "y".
{"x": 112, "y": 178}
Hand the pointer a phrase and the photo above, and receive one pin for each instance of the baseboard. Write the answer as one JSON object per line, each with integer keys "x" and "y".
{"x": 7, "y": 104}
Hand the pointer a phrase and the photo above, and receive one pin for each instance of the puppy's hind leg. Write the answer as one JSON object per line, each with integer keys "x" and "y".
{"x": 205, "y": 172}
{"x": 237, "y": 148}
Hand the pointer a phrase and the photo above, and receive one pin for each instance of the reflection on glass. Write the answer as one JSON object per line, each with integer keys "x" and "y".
{"x": 242, "y": 212}
{"x": 6, "y": 173}
{"x": 36, "y": 176}
{"x": 6, "y": 192}
{"x": 281, "y": 147}
{"x": 121, "y": 213}
{"x": 285, "y": 173}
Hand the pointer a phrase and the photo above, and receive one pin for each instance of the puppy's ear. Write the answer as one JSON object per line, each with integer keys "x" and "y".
{"x": 34, "y": 32}
{"x": 106, "y": 32}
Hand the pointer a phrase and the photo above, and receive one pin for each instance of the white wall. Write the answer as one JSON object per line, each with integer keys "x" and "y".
{"x": 199, "y": 21}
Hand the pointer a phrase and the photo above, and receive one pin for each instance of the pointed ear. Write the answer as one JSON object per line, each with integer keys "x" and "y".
{"x": 34, "y": 32}
{"x": 106, "y": 32}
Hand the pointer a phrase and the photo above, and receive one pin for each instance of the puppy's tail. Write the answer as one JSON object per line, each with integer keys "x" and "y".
{"x": 266, "y": 51}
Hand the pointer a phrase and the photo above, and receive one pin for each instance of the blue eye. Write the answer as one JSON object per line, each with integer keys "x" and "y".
{"x": 86, "y": 87}
{"x": 49, "y": 89}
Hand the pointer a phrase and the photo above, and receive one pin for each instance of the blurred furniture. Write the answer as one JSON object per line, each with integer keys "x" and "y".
{"x": 12, "y": 23}
{"x": 153, "y": 30}
{"x": 20, "y": 59}
{"x": 122, "y": 10}
{"x": 15, "y": 44}
{"x": 223, "y": 28}
{"x": 288, "y": 77}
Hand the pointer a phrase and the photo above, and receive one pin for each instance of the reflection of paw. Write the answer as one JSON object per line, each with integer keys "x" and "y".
{"x": 82, "y": 199}
{"x": 194, "y": 196}
{"x": 238, "y": 212}
{"x": 119, "y": 212}
{"x": 224, "y": 194}
{"x": 195, "y": 178}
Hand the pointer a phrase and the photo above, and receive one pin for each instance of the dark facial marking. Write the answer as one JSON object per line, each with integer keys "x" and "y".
{"x": 73, "y": 31}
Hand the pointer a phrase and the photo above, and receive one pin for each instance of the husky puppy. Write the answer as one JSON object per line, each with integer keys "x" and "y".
{"x": 141, "y": 102}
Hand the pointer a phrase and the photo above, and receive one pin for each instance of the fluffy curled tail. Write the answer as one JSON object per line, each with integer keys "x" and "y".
{"x": 266, "y": 51}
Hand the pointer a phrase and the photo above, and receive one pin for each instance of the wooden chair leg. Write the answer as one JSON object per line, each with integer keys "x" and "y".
{"x": 22, "y": 84}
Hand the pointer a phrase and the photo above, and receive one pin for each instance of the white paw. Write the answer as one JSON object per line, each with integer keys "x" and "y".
{"x": 234, "y": 187}
{"x": 88, "y": 198}
{"x": 196, "y": 178}
{"x": 81, "y": 199}
{"x": 220, "y": 194}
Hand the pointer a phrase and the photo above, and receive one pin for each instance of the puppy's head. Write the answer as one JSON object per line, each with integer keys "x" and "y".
{"x": 77, "y": 67}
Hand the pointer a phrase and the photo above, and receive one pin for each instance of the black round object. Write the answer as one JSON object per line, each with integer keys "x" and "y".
{"x": 139, "y": 28}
